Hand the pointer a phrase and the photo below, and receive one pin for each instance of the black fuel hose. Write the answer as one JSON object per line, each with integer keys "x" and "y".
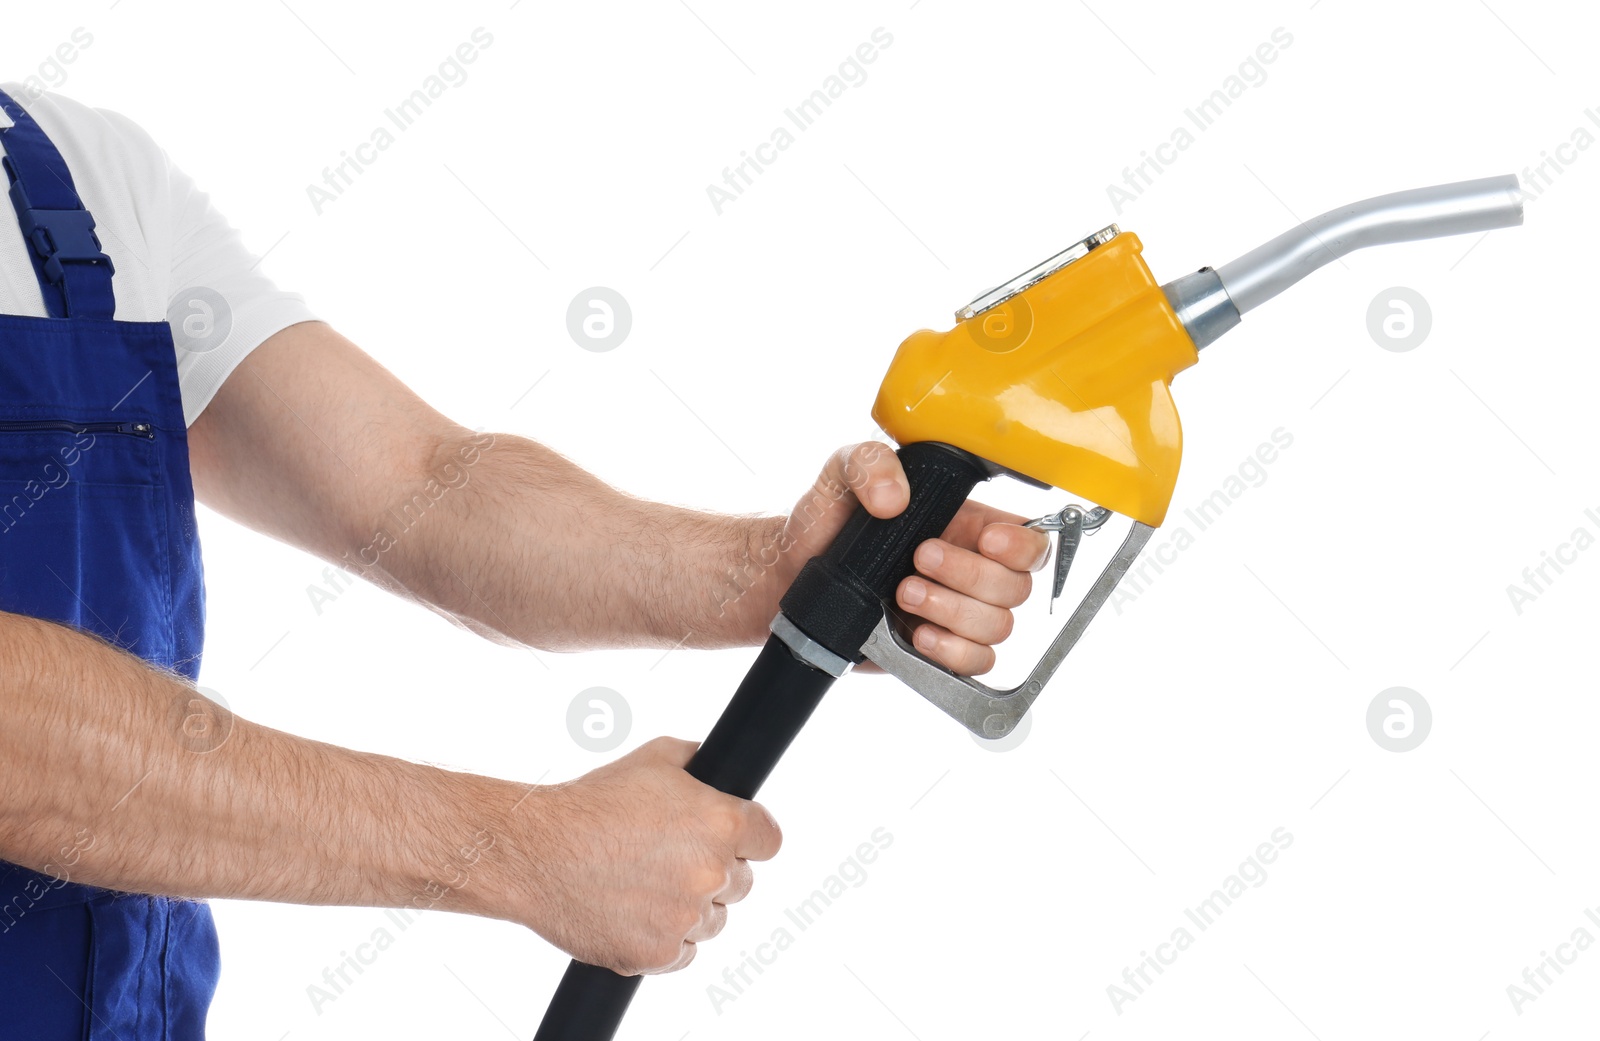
{"x": 836, "y": 600}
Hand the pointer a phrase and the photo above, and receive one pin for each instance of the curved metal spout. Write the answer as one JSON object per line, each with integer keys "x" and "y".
{"x": 1210, "y": 302}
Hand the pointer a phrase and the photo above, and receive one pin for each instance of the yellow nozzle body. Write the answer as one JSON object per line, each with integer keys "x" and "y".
{"x": 1066, "y": 382}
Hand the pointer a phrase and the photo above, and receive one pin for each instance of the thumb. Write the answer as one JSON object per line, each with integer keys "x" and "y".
{"x": 869, "y": 474}
{"x": 871, "y": 471}
{"x": 674, "y": 751}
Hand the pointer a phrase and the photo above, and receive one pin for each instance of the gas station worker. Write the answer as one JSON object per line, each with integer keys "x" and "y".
{"x": 127, "y": 798}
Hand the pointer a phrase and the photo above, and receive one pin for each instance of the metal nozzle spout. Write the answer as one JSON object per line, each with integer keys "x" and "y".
{"x": 1210, "y": 302}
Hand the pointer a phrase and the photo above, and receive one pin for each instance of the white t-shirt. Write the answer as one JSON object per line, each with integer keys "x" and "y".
{"x": 177, "y": 259}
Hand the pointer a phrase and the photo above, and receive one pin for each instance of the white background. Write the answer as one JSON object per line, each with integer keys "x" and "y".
{"x": 1228, "y": 700}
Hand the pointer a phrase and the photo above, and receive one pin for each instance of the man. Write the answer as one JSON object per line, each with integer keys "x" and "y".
{"x": 118, "y": 779}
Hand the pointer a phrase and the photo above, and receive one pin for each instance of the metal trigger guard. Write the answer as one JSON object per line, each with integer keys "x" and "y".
{"x": 987, "y": 712}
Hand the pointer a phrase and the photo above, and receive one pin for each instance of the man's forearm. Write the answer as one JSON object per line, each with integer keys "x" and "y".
{"x": 519, "y": 543}
{"x": 312, "y": 442}
{"x": 115, "y": 774}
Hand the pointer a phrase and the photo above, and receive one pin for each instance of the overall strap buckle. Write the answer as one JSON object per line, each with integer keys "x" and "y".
{"x": 58, "y": 237}
{"x": 73, "y": 271}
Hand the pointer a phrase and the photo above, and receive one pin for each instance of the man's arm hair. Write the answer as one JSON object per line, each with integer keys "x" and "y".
{"x": 313, "y": 442}
{"x": 116, "y": 774}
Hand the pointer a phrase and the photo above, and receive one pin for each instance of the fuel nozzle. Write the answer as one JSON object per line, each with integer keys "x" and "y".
{"x": 1210, "y": 301}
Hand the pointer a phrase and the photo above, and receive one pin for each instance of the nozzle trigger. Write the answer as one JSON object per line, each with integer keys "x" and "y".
{"x": 1067, "y": 541}
{"x": 1069, "y": 526}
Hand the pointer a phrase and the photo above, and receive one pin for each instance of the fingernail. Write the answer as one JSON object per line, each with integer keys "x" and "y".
{"x": 926, "y": 641}
{"x": 932, "y": 555}
{"x": 914, "y": 592}
{"x": 883, "y": 492}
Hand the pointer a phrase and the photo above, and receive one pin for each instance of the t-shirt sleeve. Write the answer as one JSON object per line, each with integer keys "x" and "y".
{"x": 177, "y": 259}
{"x": 221, "y": 305}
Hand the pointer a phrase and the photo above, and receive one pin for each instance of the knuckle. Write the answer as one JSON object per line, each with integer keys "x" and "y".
{"x": 709, "y": 880}
{"x": 648, "y": 955}
{"x": 981, "y": 661}
{"x": 663, "y": 954}
{"x": 859, "y": 462}
{"x": 976, "y": 574}
{"x": 672, "y": 925}
{"x": 974, "y": 614}
{"x": 829, "y": 487}
{"x": 870, "y": 453}
{"x": 665, "y": 747}
{"x": 990, "y": 572}
{"x": 767, "y": 828}
{"x": 963, "y": 656}
{"x": 725, "y": 819}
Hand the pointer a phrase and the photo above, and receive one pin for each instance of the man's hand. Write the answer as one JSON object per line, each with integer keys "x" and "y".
{"x": 966, "y": 582}
{"x": 639, "y": 861}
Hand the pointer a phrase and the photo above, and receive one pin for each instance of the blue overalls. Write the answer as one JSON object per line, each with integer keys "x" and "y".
{"x": 97, "y": 532}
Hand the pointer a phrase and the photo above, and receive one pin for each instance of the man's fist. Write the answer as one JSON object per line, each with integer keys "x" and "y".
{"x": 966, "y": 583}
{"x": 636, "y": 862}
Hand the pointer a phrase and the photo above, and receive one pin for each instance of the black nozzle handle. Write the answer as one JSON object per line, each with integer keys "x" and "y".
{"x": 839, "y": 595}
{"x": 834, "y": 596}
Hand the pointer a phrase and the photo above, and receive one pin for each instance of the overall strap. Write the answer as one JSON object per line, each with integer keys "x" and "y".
{"x": 74, "y": 275}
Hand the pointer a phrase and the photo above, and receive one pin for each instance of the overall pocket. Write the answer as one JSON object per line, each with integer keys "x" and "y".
{"x": 83, "y": 530}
